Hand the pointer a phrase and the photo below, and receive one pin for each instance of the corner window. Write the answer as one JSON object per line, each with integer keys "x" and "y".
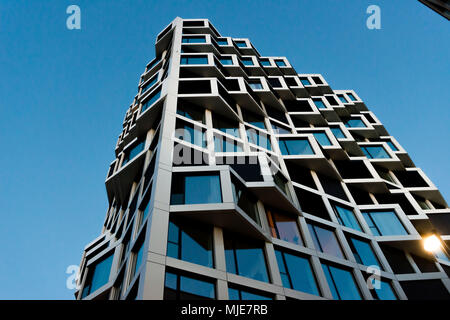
{"x": 296, "y": 272}
{"x": 305, "y": 81}
{"x": 392, "y": 146}
{"x": 351, "y": 96}
{"x": 241, "y": 44}
{"x": 342, "y": 98}
{"x": 284, "y": 227}
{"x": 280, "y": 63}
{"x": 375, "y": 152}
{"x": 341, "y": 283}
{"x": 384, "y": 223}
{"x": 150, "y": 84}
{"x": 265, "y": 63}
{"x": 244, "y": 200}
{"x": 195, "y": 189}
{"x": 181, "y": 287}
{"x": 133, "y": 152}
{"x": 190, "y": 242}
{"x": 325, "y": 241}
{"x": 295, "y": 147}
{"x": 245, "y": 258}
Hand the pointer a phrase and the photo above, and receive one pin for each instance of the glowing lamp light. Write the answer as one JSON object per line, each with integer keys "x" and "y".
{"x": 432, "y": 243}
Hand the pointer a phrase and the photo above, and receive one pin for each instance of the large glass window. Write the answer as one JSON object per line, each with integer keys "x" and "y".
{"x": 325, "y": 241}
{"x": 375, "y": 152}
{"x": 341, "y": 283}
{"x": 259, "y": 138}
{"x": 191, "y": 112}
{"x": 192, "y": 242}
{"x": 195, "y": 189}
{"x": 346, "y": 217}
{"x": 338, "y": 133}
{"x": 190, "y": 133}
{"x": 138, "y": 258}
{"x": 384, "y": 223}
{"x": 240, "y": 294}
{"x": 322, "y": 138}
{"x": 222, "y": 42}
{"x": 342, "y": 98}
{"x": 224, "y": 144}
{"x": 241, "y": 44}
{"x": 284, "y": 227}
{"x": 245, "y": 200}
{"x": 253, "y": 119}
{"x": 319, "y": 103}
{"x": 255, "y": 85}
{"x": 151, "y": 100}
{"x": 295, "y": 147}
{"x": 296, "y": 272}
{"x": 98, "y": 275}
{"x": 265, "y": 63}
{"x": 355, "y": 123}
{"x": 363, "y": 252}
{"x": 280, "y": 63}
{"x": 305, "y": 81}
{"x": 351, "y": 96}
{"x": 225, "y": 125}
{"x": 245, "y": 258}
{"x": 193, "y": 40}
{"x": 133, "y": 151}
{"x": 384, "y": 292}
{"x": 247, "y": 61}
{"x": 181, "y": 287}
{"x": 226, "y": 61}
{"x": 194, "y": 60}
{"x": 150, "y": 84}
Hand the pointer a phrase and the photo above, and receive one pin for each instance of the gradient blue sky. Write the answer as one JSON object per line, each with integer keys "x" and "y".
{"x": 63, "y": 96}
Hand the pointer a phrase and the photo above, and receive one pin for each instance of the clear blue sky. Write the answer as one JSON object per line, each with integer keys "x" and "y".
{"x": 63, "y": 95}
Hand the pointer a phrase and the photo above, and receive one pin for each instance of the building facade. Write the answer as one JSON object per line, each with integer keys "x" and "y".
{"x": 238, "y": 178}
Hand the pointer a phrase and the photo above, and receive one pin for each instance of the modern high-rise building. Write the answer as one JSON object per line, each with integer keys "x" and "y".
{"x": 236, "y": 177}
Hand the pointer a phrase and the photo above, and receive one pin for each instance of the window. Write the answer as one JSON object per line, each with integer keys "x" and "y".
{"x": 296, "y": 272}
{"x": 151, "y": 100}
{"x": 375, "y": 152}
{"x": 247, "y": 61}
{"x": 342, "y": 98}
{"x": 222, "y": 42}
{"x": 244, "y": 200}
{"x": 150, "y": 84}
{"x": 254, "y": 119}
{"x": 240, "y": 294}
{"x": 259, "y": 138}
{"x": 351, "y": 96}
{"x": 265, "y": 63}
{"x": 241, "y": 44}
{"x": 255, "y": 85}
{"x": 341, "y": 283}
{"x": 275, "y": 82}
{"x": 385, "y": 292}
{"x": 319, "y": 103}
{"x": 193, "y": 40}
{"x": 138, "y": 259}
{"x": 190, "y": 133}
{"x": 245, "y": 258}
{"x": 355, "y": 123}
{"x": 180, "y": 287}
{"x": 191, "y": 112}
{"x": 338, "y": 133}
{"x": 224, "y": 144}
{"x": 363, "y": 252}
{"x": 280, "y": 129}
{"x": 226, "y": 126}
{"x": 194, "y": 60}
{"x": 98, "y": 275}
{"x": 384, "y": 223}
{"x": 133, "y": 152}
{"x": 284, "y": 227}
{"x": 322, "y": 138}
{"x": 195, "y": 189}
{"x": 190, "y": 242}
{"x": 226, "y": 61}
{"x": 295, "y": 147}
{"x": 280, "y": 63}
{"x": 305, "y": 81}
{"x": 325, "y": 241}
{"x": 346, "y": 217}
{"x": 392, "y": 146}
